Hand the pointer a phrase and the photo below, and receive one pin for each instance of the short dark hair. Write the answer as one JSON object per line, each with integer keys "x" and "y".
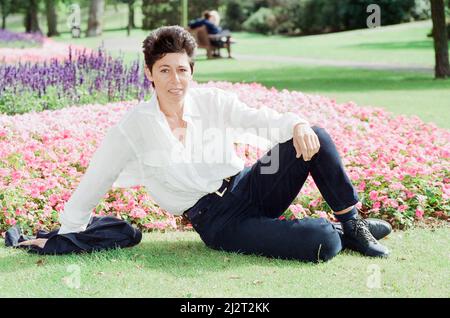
{"x": 168, "y": 39}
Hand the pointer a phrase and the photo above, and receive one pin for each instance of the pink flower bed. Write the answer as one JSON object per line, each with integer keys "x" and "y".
{"x": 49, "y": 50}
{"x": 399, "y": 165}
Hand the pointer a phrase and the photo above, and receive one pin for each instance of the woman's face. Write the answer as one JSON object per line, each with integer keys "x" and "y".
{"x": 171, "y": 76}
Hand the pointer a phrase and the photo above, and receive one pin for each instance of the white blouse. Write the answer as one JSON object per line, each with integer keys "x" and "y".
{"x": 142, "y": 150}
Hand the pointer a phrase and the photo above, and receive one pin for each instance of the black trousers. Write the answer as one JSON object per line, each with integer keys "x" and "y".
{"x": 246, "y": 219}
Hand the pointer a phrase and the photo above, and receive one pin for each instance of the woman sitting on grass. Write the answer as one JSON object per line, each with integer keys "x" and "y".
{"x": 181, "y": 146}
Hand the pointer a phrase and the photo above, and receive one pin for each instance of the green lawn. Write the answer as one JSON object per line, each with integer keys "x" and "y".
{"x": 176, "y": 264}
{"x": 402, "y": 44}
{"x": 399, "y": 92}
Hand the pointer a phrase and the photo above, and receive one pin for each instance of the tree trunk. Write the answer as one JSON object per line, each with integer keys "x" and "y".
{"x": 31, "y": 17}
{"x": 4, "y": 20}
{"x": 95, "y": 16}
{"x": 442, "y": 67}
{"x": 131, "y": 14}
{"x": 52, "y": 18}
{"x": 4, "y": 13}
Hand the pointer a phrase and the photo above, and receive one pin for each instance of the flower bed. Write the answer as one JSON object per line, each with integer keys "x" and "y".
{"x": 399, "y": 165}
{"x": 83, "y": 78}
{"x": 16, "y": 40}
{"x": 33, "y": 48}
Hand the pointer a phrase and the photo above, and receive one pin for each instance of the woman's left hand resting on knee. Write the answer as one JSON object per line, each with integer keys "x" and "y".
{"x": 305, "y": 141}
{"x": 38, "y": 242}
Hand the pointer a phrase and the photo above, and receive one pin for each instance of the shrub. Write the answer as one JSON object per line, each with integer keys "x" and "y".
{"x": 234, "y": 16}
{"x": 262, "y": 21}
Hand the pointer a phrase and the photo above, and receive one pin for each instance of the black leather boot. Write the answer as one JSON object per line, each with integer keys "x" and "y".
{"x": 357, "y": 237}
{"x": 377, "y": 227}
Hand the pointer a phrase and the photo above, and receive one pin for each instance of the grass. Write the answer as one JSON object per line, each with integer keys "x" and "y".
{"x": 399, "y": 92}
{"x": 114, "y": 17}
{"x": 178, "y": 264}
{"x": 402, "y": 44}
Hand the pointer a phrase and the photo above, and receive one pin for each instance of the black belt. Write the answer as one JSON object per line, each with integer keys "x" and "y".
{"x": 220, "y": 192}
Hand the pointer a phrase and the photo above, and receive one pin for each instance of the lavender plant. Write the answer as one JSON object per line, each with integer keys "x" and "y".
{"x": 81, "y": 79}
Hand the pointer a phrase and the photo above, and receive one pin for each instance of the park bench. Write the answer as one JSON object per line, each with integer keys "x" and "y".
{"x": 204, "y": 41}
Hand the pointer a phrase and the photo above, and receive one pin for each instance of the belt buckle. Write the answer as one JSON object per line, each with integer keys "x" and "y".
{"x": 220, "y": 194}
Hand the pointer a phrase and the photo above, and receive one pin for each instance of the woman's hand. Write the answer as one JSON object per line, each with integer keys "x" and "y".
{"x": 306, "y": 142}
{"x": 38, "y": 242}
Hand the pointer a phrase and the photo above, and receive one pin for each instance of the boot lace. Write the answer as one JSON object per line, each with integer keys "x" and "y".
{"x": 362, "y": 230}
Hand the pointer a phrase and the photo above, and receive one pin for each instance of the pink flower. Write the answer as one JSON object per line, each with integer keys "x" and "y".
{"x": 53, "y": 199}
{"x": 322, "y": 214}
{"x": 35, "y": 193}
{"x": 66, "y": 195}
{"x": 419, "y": 213}
{"x": 48, "y": 211}
{"x": 16, "y": 175}
{"x": 20, "y": 212}
{"x": 397, "y": 186}
{"x": 138, "y": 213}
{"x": 409, "y": 194}
{"x": 131, "y": 205}
{"x": 11, "y": 222}
{"x": 315, "y": 202}
{"x": 297, "y": 210}
{"x": 373, "y": 195}
{"x": 362, "y": 186}
{"x": 393, "y": 203}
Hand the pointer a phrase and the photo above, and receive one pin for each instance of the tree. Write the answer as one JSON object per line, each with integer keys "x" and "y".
{"x": 160, "y": 12}
{"x": 6, "y": 7}
{"x": 234, "y": 16}
{"x": 31, "y": 17}
{"x": 442, "y": 67}
{"x": 95, "y": 16}
{"x": 52, "y": 18}
{"x": 131, "y": 24}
